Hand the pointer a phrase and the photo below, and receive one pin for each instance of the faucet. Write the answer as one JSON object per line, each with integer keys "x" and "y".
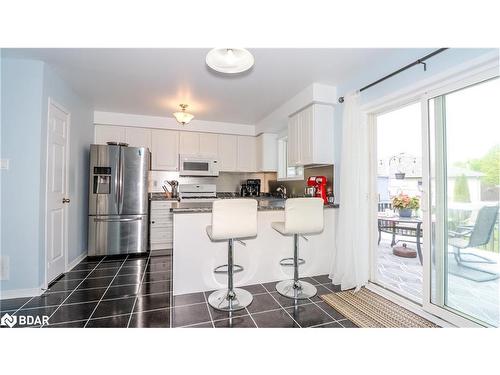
{"x": 281, "y": 190}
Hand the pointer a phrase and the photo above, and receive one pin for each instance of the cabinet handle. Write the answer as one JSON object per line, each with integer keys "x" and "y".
{"x": 152, "y": 222}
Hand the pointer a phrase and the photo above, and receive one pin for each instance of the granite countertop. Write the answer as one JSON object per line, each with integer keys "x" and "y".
{"x": 264, "y": 205}
{"x": 161, "y": 197}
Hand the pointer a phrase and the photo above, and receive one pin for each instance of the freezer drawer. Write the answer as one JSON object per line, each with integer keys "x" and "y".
{"x": 110, "y": 235}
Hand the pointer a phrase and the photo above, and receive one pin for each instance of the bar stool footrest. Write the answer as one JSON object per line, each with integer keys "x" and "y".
{"x": 224, "y": 268}
{"x": 288, "y": 262}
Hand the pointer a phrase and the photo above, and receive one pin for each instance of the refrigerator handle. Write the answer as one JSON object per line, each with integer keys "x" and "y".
{"x": 120, "y": 171}
{"x": 106, "y": 220}
{"x": 117, "y": 185}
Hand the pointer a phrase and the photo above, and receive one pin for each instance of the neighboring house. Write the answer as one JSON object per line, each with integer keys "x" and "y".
{"x": 389, "y": 186}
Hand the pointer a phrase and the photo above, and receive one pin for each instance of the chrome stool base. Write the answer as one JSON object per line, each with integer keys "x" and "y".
{"x": 219, "y": 300}
{"x": 305, "y": 290}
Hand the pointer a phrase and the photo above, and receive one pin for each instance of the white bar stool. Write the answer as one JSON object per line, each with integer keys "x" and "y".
{"x": 302, "y": 216}
{"x": 232, "y": 219}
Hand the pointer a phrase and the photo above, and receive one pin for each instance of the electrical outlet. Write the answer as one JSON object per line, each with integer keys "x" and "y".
{"x": 4, "y": 164}
{"x": 4, "y": 267}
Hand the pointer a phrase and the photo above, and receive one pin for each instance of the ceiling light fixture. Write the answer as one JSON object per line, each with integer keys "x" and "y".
{"x": 183, "y": 117}
{"x": 230, "y": 60}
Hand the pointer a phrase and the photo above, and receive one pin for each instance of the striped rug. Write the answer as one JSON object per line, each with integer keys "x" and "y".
{"x": 369, "y": 310}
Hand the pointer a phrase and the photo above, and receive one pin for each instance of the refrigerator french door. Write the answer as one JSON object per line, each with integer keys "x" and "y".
{"x": 118, "y": 201}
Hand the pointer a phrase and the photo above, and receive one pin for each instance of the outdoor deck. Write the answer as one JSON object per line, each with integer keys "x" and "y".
{"x": 404, "y": 276}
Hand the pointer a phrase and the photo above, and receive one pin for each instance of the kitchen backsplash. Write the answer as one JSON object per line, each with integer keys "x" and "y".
{"x": 231, "y": 181}
{"x": 226, "y": 182}
{"x": 296, "y": 188}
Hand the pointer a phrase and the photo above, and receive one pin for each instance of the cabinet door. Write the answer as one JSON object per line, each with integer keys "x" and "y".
{"x": 189, "y": 143}
{"x": 267, "y": 152}
{"x": 293, "y": 142}
{"x": 165, "y": 149}
{"x": 247, "y": 154}
{"x": 138, "y": 137}
{"x": 208, "y": 144}
{"x": 306, "y": 135}
{"x": 227, "y": 152}
{"x": 106, "y": 133}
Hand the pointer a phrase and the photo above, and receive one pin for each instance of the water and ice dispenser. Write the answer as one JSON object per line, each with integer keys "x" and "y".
{"x": 102, "y": 180}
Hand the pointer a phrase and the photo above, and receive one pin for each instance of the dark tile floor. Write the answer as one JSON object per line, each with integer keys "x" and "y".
{"x": 135, "y": 291}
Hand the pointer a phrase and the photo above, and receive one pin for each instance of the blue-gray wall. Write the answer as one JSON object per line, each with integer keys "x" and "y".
{"x": 435, "y": 65}
{"x": 21, "y": 134}
{"x": 26, "y": 87}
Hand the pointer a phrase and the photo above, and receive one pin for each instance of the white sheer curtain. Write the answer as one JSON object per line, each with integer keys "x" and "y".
{"x": 350, "y": 265}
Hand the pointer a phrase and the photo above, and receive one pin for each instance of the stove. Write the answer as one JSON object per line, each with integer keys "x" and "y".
{"x": 197, "y": 193}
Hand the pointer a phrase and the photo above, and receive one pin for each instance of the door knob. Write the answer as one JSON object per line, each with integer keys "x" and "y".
{"x": 65, "y": 200}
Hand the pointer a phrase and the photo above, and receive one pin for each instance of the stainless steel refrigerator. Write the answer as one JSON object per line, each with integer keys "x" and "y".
{"x": 118, "y": 200}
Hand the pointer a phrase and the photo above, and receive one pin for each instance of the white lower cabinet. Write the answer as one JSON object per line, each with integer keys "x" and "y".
{"x": 160, "y": 225}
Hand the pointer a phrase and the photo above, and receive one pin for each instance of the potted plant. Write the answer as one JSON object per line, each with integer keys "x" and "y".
{"x": 405, "y": 204}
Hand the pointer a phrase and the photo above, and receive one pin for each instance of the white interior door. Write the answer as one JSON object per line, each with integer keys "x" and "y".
{"x": 57, "y": 199}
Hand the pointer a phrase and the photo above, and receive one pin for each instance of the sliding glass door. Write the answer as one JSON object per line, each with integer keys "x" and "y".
{"x": 464, "y": 186}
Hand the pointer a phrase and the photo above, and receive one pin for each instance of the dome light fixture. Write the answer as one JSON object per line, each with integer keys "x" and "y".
{"x": 230, "y": 60}
{"x": 183, "y": 117}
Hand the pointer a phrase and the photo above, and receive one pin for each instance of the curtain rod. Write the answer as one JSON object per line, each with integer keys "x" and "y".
{"x": 416, "y": 62}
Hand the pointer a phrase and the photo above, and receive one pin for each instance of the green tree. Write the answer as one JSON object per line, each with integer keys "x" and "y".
{"x": 489, "y": 164}
{"x": 461, "y": 191}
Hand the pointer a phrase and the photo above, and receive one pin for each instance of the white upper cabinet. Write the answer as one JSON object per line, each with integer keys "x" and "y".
{"x": 189, "y": 143}
{"x": 165, "y": 150}
{"x": 310, "y": 136}
{"x": 227, "y": 146}
{"x": 105, "y": 133}
{"x": 209, "y": 144}
{"x": 247, "y": 154}
{"x": 267, "y": 152}
{"x": 138, "y": 137}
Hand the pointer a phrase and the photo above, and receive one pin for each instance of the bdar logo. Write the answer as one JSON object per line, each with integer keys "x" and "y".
{"x": 8, "y": 320}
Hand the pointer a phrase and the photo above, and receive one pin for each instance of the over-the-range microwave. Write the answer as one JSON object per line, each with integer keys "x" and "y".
{"x": 193, "y": 165}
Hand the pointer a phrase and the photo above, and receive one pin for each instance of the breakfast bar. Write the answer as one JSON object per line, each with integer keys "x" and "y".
{"x": 195, "y": 257}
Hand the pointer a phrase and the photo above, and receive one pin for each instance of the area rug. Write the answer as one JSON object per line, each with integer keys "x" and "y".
{"x": 369, "y": 310}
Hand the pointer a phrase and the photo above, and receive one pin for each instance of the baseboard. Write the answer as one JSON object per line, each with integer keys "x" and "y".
{"x": 78, "y": 259}
{"x": 21, "y": 293}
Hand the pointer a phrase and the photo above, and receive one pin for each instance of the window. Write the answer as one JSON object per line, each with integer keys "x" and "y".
{"x": 286, "y": 172}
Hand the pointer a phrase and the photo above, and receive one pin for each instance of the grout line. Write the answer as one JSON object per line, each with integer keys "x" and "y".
{"x": 208, "y": 307}
{"x": 111, "y": 282}
{"x": 137, "y": 296}
{"x": 251, "y": 317}
{"x": 69, "y": 295}
{"x": 25, "y": 303}
{"x": 282, "y": 306}
{"x": 195, "y": 324}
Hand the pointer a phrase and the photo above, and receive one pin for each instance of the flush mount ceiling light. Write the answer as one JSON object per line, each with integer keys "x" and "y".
{"x": 229, "y": 60}
{"x": 183, "y": 117}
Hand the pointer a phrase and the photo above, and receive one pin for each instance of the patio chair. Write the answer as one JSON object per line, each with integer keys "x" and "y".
{"x": 473, "y": 236}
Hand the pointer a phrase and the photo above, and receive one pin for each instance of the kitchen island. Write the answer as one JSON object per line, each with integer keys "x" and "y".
{"x": 195, "y": 256}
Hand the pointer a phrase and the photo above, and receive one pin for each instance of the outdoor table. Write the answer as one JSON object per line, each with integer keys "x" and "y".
{"x": 401, "y": 226}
